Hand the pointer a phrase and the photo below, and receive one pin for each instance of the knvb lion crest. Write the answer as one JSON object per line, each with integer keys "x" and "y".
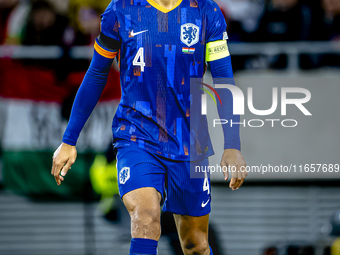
{"x": 189, "y": 34}
{"x": 124, "y": 175}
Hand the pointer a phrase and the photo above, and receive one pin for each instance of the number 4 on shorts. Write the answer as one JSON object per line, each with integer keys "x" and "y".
{"x": 206, "y": 185}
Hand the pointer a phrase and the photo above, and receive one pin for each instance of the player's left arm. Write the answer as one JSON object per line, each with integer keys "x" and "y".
{"x": 218, "y": 57}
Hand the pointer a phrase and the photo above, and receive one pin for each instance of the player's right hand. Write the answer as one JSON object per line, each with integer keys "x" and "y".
{"x": 63, "y": 158}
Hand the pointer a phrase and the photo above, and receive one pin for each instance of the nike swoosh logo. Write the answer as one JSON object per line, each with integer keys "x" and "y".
{"x": 132, "y": 34}
{"x": 204, "y": 204}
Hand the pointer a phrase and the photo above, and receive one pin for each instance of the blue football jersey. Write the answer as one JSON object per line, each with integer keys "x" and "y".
{"x": 160, "y": 51}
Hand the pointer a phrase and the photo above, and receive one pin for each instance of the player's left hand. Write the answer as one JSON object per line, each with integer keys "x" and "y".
{"x": 233, "y": 159}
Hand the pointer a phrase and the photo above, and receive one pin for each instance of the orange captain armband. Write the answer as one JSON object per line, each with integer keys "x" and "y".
{"x": 105, "y": 53}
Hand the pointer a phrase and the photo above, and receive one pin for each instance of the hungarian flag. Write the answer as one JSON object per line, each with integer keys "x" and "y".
{"x": 34, "y": 111}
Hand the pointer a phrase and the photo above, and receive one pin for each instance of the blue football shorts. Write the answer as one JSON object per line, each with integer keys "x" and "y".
{"x": 138, "y": 168}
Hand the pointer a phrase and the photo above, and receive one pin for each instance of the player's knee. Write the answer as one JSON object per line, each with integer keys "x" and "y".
{"x": 197, "y": 247}
{"x": 145, "y": 222}
{"x": 146, "y": 216}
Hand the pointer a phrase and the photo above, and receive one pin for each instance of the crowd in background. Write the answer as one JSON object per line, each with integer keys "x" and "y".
{"x": 65, "y": 23}
{"x": 44, "y": 22}
{"x": 77, "y": 22}
{"x": 282, "y": 20}
{"x": 40, "y": 22}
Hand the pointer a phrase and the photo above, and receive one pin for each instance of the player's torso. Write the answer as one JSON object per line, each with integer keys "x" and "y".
{"x": 160, "y": 47}
{"x": 160, "y": 52}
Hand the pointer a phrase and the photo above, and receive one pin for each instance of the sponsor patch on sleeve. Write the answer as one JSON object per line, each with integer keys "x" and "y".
{"x": 225, "y": 35}
{"x": 216, "y": 50}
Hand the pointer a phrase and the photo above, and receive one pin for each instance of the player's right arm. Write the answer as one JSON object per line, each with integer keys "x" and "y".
{"x": 105, "y": 50}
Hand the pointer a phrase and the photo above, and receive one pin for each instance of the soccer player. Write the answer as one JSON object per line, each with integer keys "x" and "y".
{"x": 159, "y": 133}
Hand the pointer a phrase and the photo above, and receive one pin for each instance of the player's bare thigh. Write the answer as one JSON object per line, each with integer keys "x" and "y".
{"x": 143, "y": 206}
{"x": 193, "y": 234}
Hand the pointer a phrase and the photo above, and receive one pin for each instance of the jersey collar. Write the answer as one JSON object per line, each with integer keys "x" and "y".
{"x": 161, "y": 8}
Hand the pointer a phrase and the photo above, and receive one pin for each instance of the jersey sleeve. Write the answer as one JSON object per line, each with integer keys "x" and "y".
{"x": 108, "y": 42}
{"x": 216, "y": 47}
{"x": 87, "y": 96}
{"x": 218, "y": 56}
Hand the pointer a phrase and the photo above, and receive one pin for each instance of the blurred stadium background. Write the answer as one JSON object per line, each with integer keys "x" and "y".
{"x": 45, "y": 50}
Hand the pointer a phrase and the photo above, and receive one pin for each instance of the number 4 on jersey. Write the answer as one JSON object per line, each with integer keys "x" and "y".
{"x": 139, "y": 59}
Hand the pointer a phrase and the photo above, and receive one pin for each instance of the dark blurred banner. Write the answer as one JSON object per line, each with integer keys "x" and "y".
{"x": 282, "y": 140}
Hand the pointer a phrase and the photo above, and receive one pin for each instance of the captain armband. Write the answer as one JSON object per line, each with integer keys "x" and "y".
{"x": 216, "y": 50}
